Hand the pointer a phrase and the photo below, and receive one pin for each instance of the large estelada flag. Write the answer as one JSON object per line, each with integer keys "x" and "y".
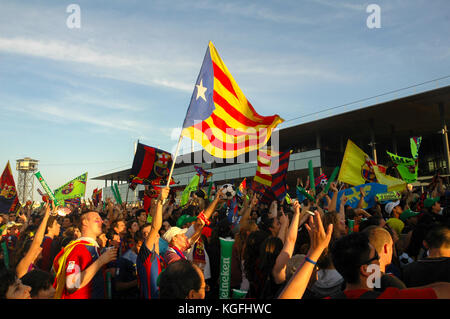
{"x": 149, "y": 164}
{"x": 76, "y": 188}
{"x": 8, "y": 192}
{"x": 220, "y": 117}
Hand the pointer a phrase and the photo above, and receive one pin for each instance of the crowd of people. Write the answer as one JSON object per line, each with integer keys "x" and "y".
{"x": 287, "y": 250}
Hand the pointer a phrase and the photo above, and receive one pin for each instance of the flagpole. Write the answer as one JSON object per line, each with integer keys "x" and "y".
{"x": 174, "y": 160}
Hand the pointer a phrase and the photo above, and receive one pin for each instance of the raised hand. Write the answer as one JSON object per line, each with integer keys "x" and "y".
{"x": 254, "y": 201}
{"x": 333, "y": 187}
{"x": 317, "y": 235}
{"x": 284, "y": 220}
{"x": 164, "y": 193}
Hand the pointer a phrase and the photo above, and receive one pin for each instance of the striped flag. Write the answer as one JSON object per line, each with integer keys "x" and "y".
{"x": 220, "y": 117}
{"x": 318, "y": 179}
{"x": 279, "y": 183}
{"x": 272, "y": 171}
{"x": 263, "y": 172}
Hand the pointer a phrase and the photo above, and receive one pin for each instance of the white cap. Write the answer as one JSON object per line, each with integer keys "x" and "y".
{"x": 172, "y": 232}
{"x": 390, "y": 206}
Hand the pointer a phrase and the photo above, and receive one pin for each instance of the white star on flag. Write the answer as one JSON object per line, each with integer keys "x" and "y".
{"x": 201, "y": 90}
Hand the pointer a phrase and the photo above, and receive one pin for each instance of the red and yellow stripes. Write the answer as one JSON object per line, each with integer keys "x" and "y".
{"x": 234, "y": 127}
{"x": 263, "y": 172}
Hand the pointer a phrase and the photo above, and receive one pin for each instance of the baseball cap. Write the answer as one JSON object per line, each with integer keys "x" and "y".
{"x": 407, "y": 214}
{"x": 430, "y": 201}
{"x": 172, "y": 232}
{"x": 184, "y": 219}
{"x": 390, "y": 206}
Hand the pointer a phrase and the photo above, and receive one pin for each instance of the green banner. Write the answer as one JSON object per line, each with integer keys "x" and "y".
{"x": 5, "y": 255}
{"x": 331, "y": 179}
{"x": 415, "y": 145}
{"x": 119, "y": 198}
{"x": 73, "y": 189}
{"x": 46, "y": 188}
{"x": 191, "y": 187}
{"x": 226, "y": 247}
{"x": 209, "y": 189}
{"x": 382, "y": 197}
{"x": 311, "y": 176}
{"x": 406, "y": 167}
{"x": 305, "y": 193}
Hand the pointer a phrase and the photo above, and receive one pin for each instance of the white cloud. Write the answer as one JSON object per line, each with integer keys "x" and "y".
{"x": 123, "y": 67}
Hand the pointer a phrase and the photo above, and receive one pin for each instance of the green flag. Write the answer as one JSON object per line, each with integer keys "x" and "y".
{"x": 288, "y": 199}
{"x": 191, "y": 187}
{"x": 73, "y": 189}
{"x": 406, "y": 167}
{"x": 209, "y": 189}
{"x": 119, "y": 198}
{"x": 415, "y": 144}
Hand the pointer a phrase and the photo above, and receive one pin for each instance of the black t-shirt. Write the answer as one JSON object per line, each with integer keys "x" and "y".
{"x": 126, "y": 273}
{"x": 427, "y": 271}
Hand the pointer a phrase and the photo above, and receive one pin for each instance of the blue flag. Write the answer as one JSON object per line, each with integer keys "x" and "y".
{"x": 353, "y": 194}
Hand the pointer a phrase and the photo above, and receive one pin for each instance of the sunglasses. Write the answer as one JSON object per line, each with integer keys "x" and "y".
{"x": 368, "y": 262}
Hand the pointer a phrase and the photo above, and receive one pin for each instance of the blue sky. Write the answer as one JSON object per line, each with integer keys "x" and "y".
{"x": 77, "y": 99}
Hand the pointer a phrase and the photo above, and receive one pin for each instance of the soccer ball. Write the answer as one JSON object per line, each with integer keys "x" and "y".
{"x": 229, "y": 190}
{"x": 323, "y": 182}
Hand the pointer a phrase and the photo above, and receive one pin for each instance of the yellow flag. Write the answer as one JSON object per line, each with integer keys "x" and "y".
{"x": 352, "y": 163}
{"x": 357, "y": 168}
{"x": 393, "y": 184}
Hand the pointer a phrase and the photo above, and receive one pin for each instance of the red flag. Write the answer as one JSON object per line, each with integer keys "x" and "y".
{"x": 8, "y": 192}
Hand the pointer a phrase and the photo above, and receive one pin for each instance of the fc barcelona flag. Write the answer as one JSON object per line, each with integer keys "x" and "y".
{"x": 97, "y": 196}
{"x": 279, "y": 184}
{"x": 149, "y": 164}
{"x": 8, "y": 192}
{"x": 219, "y": 117}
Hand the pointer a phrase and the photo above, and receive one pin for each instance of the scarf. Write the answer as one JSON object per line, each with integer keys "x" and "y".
{"x": 176, "y": 251}
{"x": 199, "y": 254}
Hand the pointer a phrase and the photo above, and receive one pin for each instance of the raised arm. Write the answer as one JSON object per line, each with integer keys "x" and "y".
{"x": 156, "y": 219}
{"x": 333, "y": 203}
{"x": 361, "y": 199}
{"x": 273, "y": 210}
{"x": 30, "y": 256}
{"x": 284, "y": 221}
{"x": 342, "y": 206}
{"x": 279, "y": 270}
{"x": 198, "y": 226}
{"x": 296, "y": 286}
{"x": 246, "y": 216}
